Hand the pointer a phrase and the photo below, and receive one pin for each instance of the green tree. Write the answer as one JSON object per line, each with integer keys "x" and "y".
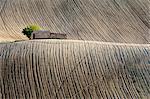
{"x": 35, "y": 27}
{"x": 29, "y": 29}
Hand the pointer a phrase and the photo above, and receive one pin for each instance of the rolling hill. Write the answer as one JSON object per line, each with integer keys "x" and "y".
{"x": 123, "y": 21}
{"x": 107, "y": 54}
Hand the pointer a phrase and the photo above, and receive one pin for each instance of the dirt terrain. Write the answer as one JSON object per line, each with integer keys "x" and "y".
{"x": 124, "y": 21}
{"x": 106, "y": 55}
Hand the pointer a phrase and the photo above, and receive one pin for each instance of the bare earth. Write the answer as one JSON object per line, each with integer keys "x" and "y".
{"x": 107, "y": 55}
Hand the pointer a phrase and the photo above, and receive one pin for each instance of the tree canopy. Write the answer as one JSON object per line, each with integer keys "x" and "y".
{"x": 29, "y": 29}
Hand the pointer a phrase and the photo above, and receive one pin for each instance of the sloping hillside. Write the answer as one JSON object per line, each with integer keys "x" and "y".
{"x": 96, "y": 20}
{"x": 51, "y": 69}
{"x": 107, "y": 55}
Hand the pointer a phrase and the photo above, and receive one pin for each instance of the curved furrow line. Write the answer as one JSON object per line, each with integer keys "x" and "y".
{"x": 109, "y": 20}
{"x": 67, "y": 69}
{"x": 75, "y": 68}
